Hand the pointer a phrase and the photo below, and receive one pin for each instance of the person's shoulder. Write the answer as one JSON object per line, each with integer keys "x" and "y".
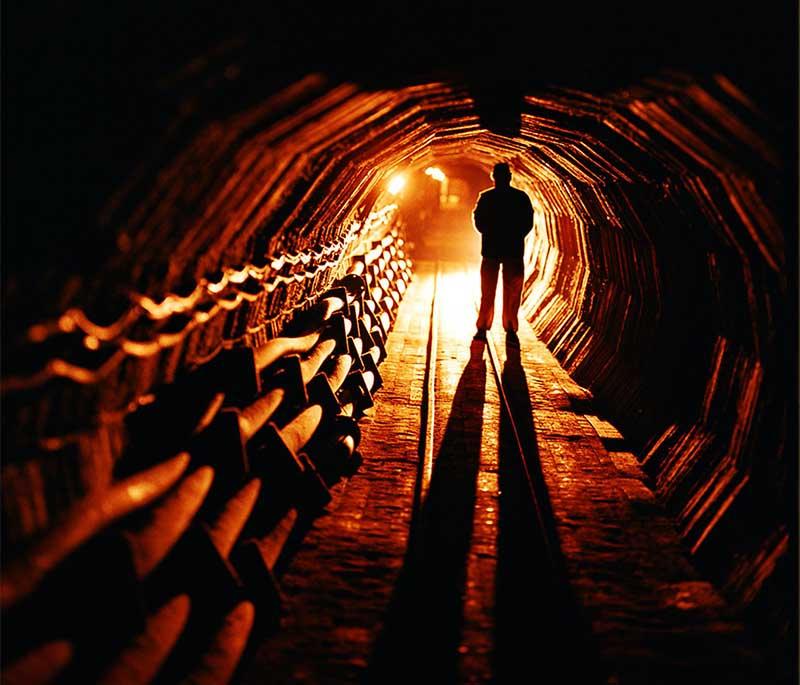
{"x": 522, "y": 196}
{"x": 485, "y": 197}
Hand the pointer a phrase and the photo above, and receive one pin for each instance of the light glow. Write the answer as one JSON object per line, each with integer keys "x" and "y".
{"x": 436, "y": 173}
{"x": 396, "y": 184}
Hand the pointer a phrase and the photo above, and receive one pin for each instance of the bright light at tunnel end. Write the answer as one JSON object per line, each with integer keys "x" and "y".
{"x": 436, "y": 173}
{"x": 396, "y": 183}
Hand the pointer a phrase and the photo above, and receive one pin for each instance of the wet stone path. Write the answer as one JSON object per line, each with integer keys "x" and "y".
{"x": 444, "y": 574}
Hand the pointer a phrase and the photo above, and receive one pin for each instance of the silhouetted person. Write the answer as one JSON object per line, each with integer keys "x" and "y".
{"x": 503, "y": 216}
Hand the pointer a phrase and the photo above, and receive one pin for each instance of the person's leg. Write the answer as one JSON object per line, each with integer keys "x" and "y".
{"x": 513, "y": 273}
{"x": 489, "y": 270}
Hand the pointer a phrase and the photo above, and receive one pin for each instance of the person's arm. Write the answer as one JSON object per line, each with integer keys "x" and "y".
{"x": 527, "y": 221}
{"x": 479, "y": 215}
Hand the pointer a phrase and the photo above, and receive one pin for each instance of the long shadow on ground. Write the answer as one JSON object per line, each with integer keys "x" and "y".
{"x": 420, "y": 638}
{"x": 538, "y": 628}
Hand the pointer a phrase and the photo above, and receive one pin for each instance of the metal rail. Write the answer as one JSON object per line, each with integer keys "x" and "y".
{"x": 428, "y": 406}
{"x": 521, "y": 451}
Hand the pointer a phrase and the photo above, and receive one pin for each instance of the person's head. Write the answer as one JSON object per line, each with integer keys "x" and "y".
{"x": 501, "y": 174}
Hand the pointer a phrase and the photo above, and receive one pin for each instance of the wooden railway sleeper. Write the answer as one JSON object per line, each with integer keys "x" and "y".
{"x": 130, "y": 559}
{"x": 276, "y": 457}
{"x": 334, "y": 448}
{"x": 217, "y": 596}
{"x": 95, "y": 594}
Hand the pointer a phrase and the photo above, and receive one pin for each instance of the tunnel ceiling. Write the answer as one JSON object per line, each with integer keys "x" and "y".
{"x": 302, "y": 171}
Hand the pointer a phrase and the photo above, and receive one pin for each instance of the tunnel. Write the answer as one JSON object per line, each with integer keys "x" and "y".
{"x": 247, "y": 436}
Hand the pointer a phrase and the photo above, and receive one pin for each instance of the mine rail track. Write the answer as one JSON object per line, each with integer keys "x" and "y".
{"x": 533, "y": 485}
{"x": 547, "y": 595}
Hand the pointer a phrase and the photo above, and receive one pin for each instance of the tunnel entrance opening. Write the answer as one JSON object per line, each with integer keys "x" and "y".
{"x": 436, "y": 207}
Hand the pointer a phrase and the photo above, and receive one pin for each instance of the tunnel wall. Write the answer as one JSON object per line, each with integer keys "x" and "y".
{"x": 219, "y": 240}
{"x": 655, "y": 275}
{"x": 676, "y": 312}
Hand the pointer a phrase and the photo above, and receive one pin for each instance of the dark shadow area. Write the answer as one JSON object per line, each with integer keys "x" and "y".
{"x": 422, "y": 631}
{"x": 96, "y": 87}
{"x": 538, "y": 625}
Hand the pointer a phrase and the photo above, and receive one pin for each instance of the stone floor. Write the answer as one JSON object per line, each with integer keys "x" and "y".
{"x": 464, "y": 586}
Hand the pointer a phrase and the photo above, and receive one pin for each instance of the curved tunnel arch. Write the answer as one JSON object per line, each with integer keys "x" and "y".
{"x": 655, "y": 275}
